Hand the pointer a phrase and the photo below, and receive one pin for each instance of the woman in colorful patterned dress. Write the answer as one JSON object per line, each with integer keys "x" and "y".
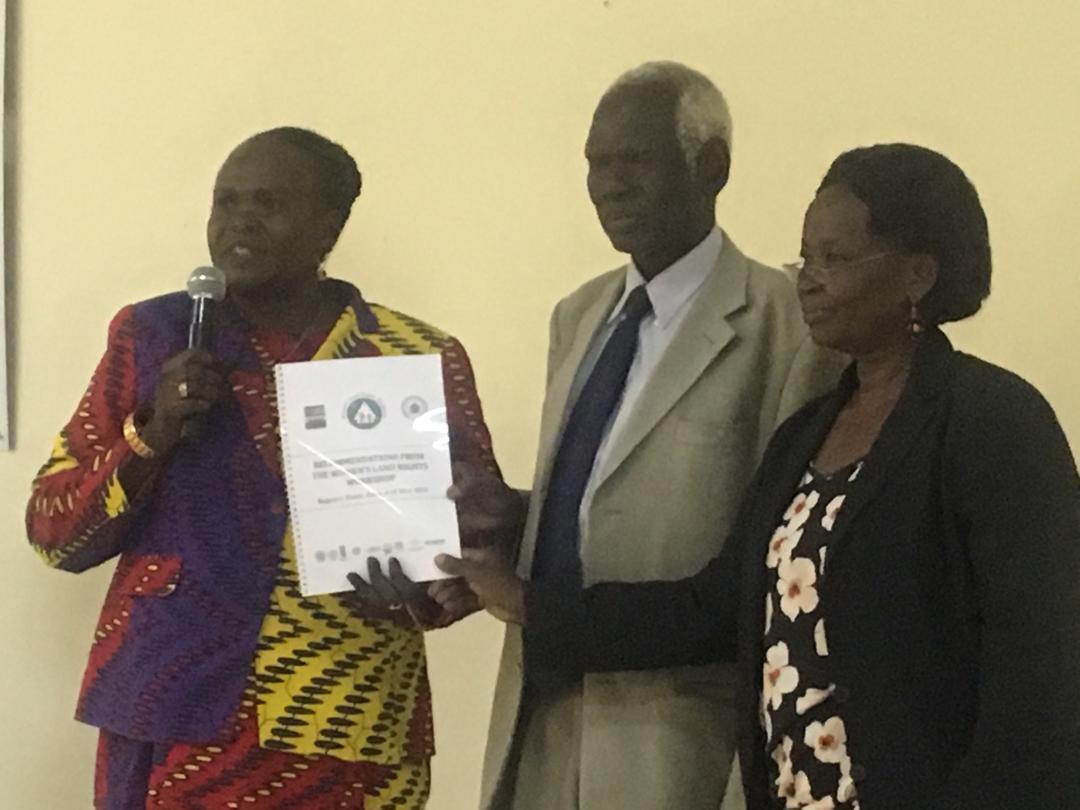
{"x": 214, "y": 682}
{"x": 904, "y": 576}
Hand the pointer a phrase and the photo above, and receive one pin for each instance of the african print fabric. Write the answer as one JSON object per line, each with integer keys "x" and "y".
{"x": 238, "y": 773}
{"x": 332, "y": 683}
{"x": 316, "y": 685}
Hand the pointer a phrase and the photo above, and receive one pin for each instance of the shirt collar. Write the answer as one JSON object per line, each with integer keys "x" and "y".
{"x": 672, "y": 288}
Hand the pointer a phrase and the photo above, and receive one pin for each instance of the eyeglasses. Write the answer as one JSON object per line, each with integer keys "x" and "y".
{"x": 835, "y": 269}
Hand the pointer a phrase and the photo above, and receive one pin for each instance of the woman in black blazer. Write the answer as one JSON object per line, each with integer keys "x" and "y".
{"x": 904, "y": 577}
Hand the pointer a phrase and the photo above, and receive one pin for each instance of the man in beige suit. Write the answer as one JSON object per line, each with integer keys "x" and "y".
{"x": 717, "y": 355}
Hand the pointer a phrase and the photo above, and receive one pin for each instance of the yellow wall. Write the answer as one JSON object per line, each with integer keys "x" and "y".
{"x": 468, "y": 120}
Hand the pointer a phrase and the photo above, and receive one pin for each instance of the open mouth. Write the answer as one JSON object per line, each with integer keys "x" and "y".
{"x": 240, "y": 254}
{"x": 240, "y": 250}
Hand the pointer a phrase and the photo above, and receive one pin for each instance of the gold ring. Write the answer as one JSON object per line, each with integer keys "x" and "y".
{"x": 182, "y": 389}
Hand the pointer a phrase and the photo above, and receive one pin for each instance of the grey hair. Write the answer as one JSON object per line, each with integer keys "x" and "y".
{"x": 701, "y": 111}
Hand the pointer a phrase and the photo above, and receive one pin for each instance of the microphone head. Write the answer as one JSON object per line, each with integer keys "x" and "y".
{"x": 206, "y": 282}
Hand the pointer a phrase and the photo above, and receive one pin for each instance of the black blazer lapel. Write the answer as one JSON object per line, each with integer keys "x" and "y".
{"x": 786, "y": 461}
{"x": 900, "y": 432}
{"x": 787, "y": 470}
{"x": 781, "y": 470}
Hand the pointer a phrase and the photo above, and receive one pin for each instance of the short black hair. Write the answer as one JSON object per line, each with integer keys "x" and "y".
{"x": 340, "y": 181}
{"x": 923, "y": 203}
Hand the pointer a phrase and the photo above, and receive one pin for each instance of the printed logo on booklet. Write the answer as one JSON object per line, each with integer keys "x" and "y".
{"x": 364, "y": 412}
{"x": 314, "y": 417}
{"x": 414, "y": 407}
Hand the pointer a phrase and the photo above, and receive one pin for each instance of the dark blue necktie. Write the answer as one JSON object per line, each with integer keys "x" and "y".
{"x": 558, "y": 541}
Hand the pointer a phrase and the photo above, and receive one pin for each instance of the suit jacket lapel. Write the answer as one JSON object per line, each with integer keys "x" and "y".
{"x": 556, "y": 405}
{"x": 796, "y": 459}
{"x": 700, "y": 339}
{"x": 776, "y": 481}
{"x": 558, "y": 399}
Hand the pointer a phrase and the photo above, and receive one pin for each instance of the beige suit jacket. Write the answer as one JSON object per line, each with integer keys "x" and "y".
{"x": 741, "y": 363}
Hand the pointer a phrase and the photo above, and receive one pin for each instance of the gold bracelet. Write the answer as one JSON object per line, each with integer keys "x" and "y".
{"x": 134, "y": 440}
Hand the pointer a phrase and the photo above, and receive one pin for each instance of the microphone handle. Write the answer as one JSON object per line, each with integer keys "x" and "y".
{"x": 194, "y": 428}
{"x": 200, "y": 336}
{"x": 201, "y": 331}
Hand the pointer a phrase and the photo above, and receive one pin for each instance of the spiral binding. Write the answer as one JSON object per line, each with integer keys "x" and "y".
{"x": 286, "y": 471}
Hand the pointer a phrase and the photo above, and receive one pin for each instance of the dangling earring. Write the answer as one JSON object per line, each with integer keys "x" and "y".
{"x": 321, "y": 272}
{"x": 915, "y": 326}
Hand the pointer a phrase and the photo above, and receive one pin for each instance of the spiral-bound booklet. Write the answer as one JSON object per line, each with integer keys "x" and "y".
{"x": 366, "y": 454}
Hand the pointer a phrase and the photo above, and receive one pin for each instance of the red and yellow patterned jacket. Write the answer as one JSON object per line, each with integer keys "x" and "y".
{"x": 203, "y": 621}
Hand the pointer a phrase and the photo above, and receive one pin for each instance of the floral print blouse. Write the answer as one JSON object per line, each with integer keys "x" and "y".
{"x": 803, "y": 723}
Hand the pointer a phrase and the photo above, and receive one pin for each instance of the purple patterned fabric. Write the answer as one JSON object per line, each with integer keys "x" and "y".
{"x": 217, "y": 513}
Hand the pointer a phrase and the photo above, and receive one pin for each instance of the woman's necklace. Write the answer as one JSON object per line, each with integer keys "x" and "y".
{"x": 268, "y": 438}
{"x": 268, "y": 360}
{"x": 299, "y": 341}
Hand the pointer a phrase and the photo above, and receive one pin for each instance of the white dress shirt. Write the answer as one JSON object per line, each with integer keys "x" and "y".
{"x": 671, "y": 292}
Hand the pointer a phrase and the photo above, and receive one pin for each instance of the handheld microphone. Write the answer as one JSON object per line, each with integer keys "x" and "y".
{"x": 206, "y": 287}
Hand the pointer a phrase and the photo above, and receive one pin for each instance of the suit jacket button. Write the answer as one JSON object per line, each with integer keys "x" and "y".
{"x": 277, "y": 508}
